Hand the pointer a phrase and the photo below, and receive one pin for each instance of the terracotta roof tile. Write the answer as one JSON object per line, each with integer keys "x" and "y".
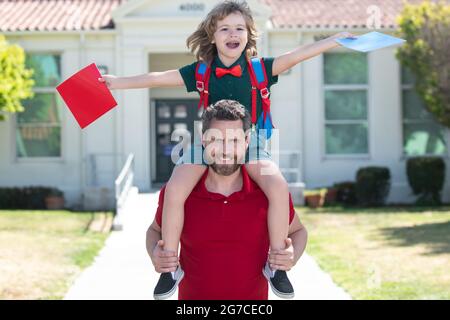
{"x": 73, "y": 15}
{"x": 326, "y": 14}
{"x": 56, "y": 15}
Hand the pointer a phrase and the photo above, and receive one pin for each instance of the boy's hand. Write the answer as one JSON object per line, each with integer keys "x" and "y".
{"x": 282, "y": 259}
{"x": 112, "y": 82}
{"x": 343, "y": 35}
{"x": 164, "y": 261}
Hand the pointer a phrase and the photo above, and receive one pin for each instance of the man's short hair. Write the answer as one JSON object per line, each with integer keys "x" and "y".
{"x": 226, "y": 110}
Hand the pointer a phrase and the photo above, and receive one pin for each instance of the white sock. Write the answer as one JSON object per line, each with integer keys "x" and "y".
{"x": 272, "y": 272}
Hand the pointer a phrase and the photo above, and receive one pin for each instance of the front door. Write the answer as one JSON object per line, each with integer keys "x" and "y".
{"x": 171, "y": 115}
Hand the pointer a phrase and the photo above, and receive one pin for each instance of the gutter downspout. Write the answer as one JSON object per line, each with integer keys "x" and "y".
{"x": 118, "y": 116}
{"x": 300, "y": 40}
{"x": 81, "y": 61}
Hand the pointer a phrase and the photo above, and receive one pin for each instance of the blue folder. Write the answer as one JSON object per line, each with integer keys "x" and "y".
{"x": 370, "y": 41}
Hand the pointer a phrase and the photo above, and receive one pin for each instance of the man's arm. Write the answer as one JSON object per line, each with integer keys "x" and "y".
{"x": 299, "y": 237}
{"x": 295, "y": 246}
{"x": 163, "y": 261}
{"x": 152, "y": 238}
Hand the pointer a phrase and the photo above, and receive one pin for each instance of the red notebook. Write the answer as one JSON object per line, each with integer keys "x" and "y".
{"x": 87, "y": 98}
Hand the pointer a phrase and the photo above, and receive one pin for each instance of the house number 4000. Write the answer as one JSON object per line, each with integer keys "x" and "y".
{"x": 192, "y": 7}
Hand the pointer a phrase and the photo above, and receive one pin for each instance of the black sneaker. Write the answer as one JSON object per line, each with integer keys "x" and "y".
{"x": 167, "y": 284}
{"x": 279, "y": 282}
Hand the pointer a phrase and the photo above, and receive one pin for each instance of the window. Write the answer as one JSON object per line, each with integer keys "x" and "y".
{"x": 38, "y": 130}
{"x": 422, "y": 135}
{"x": 345, "y": 94}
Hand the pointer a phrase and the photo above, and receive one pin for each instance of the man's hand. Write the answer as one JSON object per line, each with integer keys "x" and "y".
{"x": 282, "y": 259}
{"x": 164, "y": 261}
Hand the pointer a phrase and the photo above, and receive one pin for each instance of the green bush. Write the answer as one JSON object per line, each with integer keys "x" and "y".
{"x": 426, "y": 177}
{"x": 15, "y": 80}
{"x": 25, "y": 197}
{"x": 345, "y": 192}
{"x": 372, "y": 185}
{"x": 425, "y": 27}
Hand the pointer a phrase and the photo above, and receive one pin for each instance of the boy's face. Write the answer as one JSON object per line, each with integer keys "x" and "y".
{"x": 231, "y": 36}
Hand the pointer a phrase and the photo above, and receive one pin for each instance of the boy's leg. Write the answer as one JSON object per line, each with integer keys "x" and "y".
{"x": 183, "y": 180}
{"x": 268, "y": 176}
{"x": 276, "y": 190}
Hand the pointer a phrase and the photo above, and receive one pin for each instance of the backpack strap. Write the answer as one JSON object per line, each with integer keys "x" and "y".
{"x": 258, "y": 77}
{"x": 202, "y": 73}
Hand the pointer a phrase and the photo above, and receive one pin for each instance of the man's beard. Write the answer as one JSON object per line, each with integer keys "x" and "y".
{"x": 228, "y": 168}
{"x": 225, "y": 169}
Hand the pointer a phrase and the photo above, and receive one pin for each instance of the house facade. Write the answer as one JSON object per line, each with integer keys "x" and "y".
{"x": 336, "y": 112}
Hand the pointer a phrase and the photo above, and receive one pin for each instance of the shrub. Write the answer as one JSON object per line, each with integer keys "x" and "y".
{"x": 426, "y": 177}
{"x": 345, "y": 192}
{"x": 25, "y": 197}
{"x": 54, "y": 192}
{"x": 372, "y": 185}
{"x": 330, "y": 196}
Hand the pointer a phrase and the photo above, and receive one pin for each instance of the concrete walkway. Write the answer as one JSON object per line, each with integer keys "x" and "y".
{"x": 123, "y": 270}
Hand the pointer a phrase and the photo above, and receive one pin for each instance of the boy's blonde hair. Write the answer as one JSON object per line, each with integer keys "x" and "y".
{"x": 200, "y": 41}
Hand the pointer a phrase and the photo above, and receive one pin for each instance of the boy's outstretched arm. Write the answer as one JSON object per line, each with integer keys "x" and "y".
{"x": 291, "y": 58}
{"x": 170, "y": 78}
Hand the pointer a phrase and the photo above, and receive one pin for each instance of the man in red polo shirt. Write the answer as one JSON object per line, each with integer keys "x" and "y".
{"x": 225, "y": 239}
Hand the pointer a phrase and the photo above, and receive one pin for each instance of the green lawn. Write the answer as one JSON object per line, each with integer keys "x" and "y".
{"x": 383, "y": 253}
{"x": 42, "y": 252}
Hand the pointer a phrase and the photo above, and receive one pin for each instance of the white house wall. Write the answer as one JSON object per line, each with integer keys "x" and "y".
{"x": 151, "y": 36}
{"x": 167, "y": 61}
{"x": 286, "y": 97}
{"x": 385, "y": 128}
{"x": 66, "y": 173}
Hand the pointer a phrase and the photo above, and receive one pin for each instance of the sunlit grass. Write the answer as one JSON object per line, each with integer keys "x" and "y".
{"x": 383, "y": 253}
{"x": 42, "y": 252}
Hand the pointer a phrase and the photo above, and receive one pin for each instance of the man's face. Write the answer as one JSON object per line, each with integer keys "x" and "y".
{"x": 225, "y": 146}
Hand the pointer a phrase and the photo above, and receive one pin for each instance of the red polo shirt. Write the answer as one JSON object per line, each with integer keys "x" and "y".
{"x": 224, "y": 243}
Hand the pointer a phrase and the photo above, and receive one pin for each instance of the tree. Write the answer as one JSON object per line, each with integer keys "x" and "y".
{"x": 15, "y": 80}
{"x": 426, "y": 29}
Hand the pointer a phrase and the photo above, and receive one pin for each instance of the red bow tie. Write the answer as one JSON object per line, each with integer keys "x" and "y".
{"x": 235, "y": 71}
